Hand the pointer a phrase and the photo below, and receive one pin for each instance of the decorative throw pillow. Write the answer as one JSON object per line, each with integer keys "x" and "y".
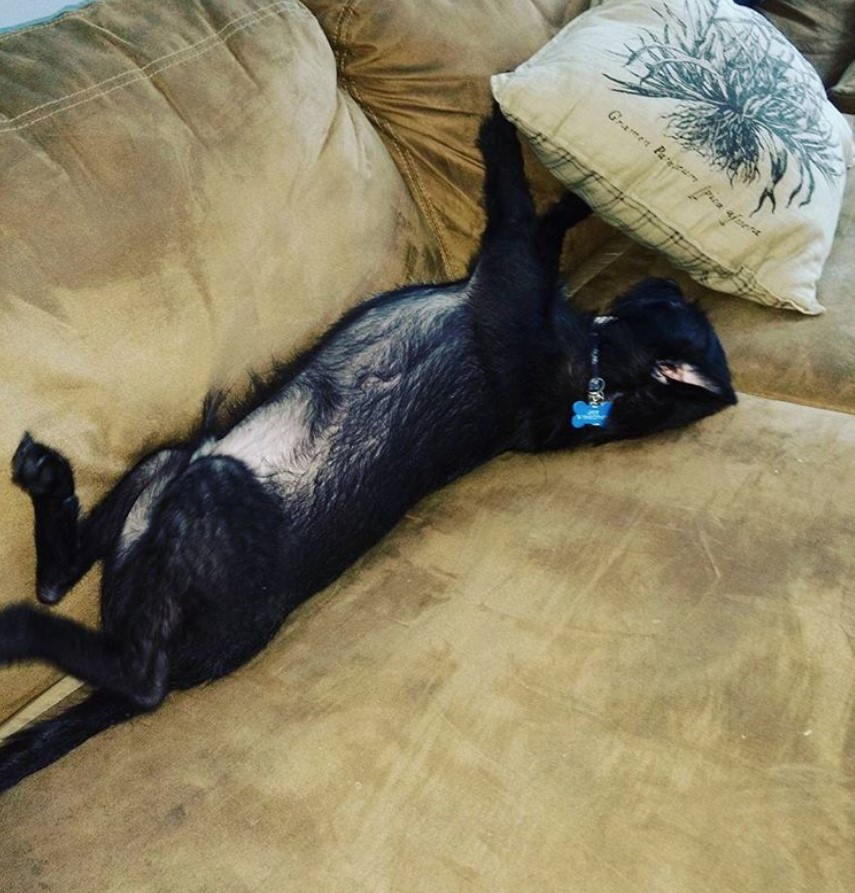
{"x": 697, "y": 128}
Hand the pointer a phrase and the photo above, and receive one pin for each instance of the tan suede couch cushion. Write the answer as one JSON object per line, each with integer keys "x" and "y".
{"x": 420, "y": 69}
{"x": 823, "y": 30}
{"x": 186, "y": 193}
{"x": 842, "y": 94}
{"x": 621, "y": 669}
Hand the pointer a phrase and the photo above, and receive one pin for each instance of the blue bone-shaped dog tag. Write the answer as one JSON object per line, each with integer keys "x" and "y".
{"x": 590, "y": 414}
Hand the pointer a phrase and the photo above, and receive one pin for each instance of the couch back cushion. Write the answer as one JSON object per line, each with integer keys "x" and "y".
{"x": 187, "y": 194}
{"x": 421, "y": 71}
{"x": 823, "y": 30}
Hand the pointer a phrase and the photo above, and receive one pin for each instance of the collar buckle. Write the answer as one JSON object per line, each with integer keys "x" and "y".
{"x": 596, "y": 391}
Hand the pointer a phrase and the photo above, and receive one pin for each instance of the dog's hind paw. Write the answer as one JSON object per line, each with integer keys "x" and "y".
{"x": 40, "y": 470}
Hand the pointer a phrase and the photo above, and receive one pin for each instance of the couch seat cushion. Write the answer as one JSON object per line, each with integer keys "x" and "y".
{"x": 628, "y": 668}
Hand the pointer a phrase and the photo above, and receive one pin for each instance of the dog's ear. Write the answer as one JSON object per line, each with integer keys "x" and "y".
{"x": 682, "y": 372}
{"x": 671, "y": 400}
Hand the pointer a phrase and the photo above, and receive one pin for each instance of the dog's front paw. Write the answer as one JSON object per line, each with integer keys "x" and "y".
{"x": 41, "y": 471}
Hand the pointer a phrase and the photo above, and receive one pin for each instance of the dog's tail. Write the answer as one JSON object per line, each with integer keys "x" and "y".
{"x": 44, "y": 742}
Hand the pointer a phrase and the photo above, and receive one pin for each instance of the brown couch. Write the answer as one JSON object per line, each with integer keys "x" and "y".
{"x": 630, "y": 668}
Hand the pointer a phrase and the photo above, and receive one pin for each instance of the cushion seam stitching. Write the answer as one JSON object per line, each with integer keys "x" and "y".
{"x": 150, "y": 69}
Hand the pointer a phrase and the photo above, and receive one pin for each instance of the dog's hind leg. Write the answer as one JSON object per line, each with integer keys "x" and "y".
{"x": 28, "y": 633}
{"x": 67, "y": 544}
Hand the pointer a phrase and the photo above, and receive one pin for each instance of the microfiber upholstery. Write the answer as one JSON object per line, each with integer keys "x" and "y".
{"x": 842, "y": 94}
{"x": 617, "y": 669}
{"x": 824, "y": 30}
{"x": 620, "y": 669}
{"x": 187, "y": 194}
{"x": 422, "y": 76}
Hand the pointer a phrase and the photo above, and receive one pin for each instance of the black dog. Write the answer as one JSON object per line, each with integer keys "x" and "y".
{"x": 208, "y": 545}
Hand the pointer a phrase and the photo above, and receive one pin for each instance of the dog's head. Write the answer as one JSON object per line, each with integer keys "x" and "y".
{"x": 660, "y": 361}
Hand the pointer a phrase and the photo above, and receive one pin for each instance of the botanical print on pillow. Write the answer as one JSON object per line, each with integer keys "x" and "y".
{"x": 741, "y": 104}
{"x": 698, "y": 129}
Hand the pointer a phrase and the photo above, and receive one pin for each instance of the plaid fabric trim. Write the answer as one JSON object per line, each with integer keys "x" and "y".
{"x": 612, "y": 204}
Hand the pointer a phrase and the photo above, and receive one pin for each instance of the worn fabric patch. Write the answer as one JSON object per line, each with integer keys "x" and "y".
{"x": 697, "y": 128}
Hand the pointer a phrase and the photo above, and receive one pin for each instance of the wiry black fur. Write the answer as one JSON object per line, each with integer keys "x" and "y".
{"x": 207, "y": 546}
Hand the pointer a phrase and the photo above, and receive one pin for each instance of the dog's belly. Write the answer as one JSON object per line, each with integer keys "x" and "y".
{"x": 339, "y": 408}
{"x": 275, "y": 442}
